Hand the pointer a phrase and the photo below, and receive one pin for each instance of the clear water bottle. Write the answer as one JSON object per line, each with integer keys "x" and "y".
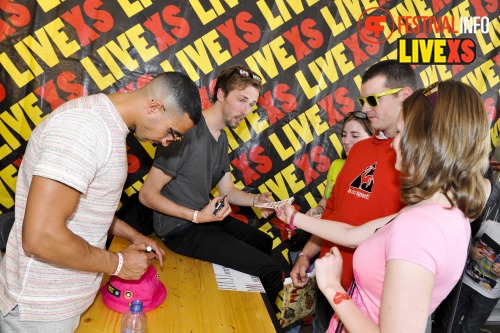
{"x": 135, "y": 320}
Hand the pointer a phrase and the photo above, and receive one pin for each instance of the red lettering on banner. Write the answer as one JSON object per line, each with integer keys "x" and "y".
{"x": 180, "y": 25}
{"x": 235, "y": 209}
{"x": 316, "y": 38}
{"x": 204, "y": 94}
{"x": 273, "y": 113}
{"x": 304, "y": 164}
{"x": 437, "y": 5}
{"x": 468, "y": 50}
{"x": 5, "y": 30}
{"x": 252, "y": 31}
{"x": 352, "y": 43}
{"x": 2, "y": 92}
{"x": 496, "y": 60}
{"x": 20, "y": 17}
{"x": 318, "y": 155}
{"x": 228, "y": 30}
{"x": 205, "y": 100}
{"x": 49, "y": 93}
{"x": 103, "y": 20}
{"x": 457, "y": 68}
{"x": 134, "y": 163}
{"x": 141, "y": 82}
{"x": 340, "y": 97}
{"x": 264, "y": 163}
{"x": 371, "y": 48}
{"x": 85, "y": 33}
{"x": 480, "y": 10}
{"x": 163, "y": 38}
{"x": 490, "y": 107}
{"x": 17, "y": 162}
{"x": 293, "y": 36}
{"x": 454, "y": 46}
{"x": 65, "y": 83}
{"x": 491, "y": 6}
{"x": 249, "y": 175}
{"x": 289, "y": 102}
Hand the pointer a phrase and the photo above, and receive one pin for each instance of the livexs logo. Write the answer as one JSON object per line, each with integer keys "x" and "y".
{"x": 376, "y": 25}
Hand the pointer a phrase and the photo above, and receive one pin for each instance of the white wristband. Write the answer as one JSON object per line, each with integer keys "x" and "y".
{"x": 195, "y": 216}
{"x": 253, "y": 202}
{"x": 120, "y": 264}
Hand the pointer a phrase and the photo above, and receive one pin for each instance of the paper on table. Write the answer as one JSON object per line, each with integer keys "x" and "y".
{"x": 231, "y": 279}
{"x": 275, "y": 204}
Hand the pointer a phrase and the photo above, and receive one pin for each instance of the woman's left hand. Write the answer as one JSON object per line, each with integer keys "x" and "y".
{"x": 285, "y": 212}
{"x": 329, "y": 270}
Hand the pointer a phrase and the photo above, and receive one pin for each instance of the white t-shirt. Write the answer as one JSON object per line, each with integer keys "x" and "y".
{"x": 81, "y": 144}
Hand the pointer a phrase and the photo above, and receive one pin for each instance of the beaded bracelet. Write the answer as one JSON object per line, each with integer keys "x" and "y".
{"x": 195, "y": 216}
{"x": 120, "y": 264}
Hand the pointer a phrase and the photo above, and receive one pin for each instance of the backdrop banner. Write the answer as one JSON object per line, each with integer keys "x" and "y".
{"x": 311, "y": 55}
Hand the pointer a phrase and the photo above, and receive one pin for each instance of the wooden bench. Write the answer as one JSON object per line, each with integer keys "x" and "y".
{"x": 193, "y": 303}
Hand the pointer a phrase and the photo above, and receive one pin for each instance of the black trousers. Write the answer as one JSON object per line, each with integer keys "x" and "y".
{"x": 233, "y": 244}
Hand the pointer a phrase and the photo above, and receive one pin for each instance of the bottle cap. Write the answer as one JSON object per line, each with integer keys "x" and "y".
{"x": 136, "y": 306}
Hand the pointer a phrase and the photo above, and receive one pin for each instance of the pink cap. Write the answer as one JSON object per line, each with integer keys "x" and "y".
{"x": 117, "y": 294}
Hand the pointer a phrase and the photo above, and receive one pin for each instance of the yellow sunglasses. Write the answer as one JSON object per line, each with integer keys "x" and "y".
{"x": 372, "y": 100}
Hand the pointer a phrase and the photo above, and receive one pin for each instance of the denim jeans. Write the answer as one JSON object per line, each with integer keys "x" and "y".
{"x": 474, "y": 307}
{"x": 322, "y": 314}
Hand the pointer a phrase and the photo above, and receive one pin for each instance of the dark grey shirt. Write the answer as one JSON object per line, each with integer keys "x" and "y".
{"x": 197, "y": 164}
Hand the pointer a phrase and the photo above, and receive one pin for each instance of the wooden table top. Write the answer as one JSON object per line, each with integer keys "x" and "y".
{"x": 193, "y": 303}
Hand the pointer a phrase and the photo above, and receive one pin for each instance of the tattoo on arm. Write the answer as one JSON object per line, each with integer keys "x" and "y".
{"x": 339, "y": 297}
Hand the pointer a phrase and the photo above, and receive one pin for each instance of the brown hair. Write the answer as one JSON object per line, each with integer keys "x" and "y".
{"x": 367, "y": 126}
{"x": 444, "y": 146}
{"x": 230, "y": 79}
{"x": 396, "y": 75}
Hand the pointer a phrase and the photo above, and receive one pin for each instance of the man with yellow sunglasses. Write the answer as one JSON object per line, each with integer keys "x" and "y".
{"x": 367, "y": 187}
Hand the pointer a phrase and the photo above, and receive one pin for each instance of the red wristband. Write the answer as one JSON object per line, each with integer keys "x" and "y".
{"x": 291, "y": 225}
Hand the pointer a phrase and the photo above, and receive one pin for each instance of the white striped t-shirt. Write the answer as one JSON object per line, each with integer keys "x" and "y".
{"x": 81, "y": 144}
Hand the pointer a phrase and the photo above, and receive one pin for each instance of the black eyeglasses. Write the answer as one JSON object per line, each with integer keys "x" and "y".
{"x": 175, "y": 136}
{"x": 357, "y": 114}
{"x": 372, "y": 100}
{"x": 247, "y": 73}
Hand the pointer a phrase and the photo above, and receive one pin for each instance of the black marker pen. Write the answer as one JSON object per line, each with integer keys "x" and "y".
{"x": 219, "y": 205}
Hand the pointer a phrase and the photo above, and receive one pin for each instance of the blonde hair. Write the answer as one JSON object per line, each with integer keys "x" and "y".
{"x": 444, "y": 146}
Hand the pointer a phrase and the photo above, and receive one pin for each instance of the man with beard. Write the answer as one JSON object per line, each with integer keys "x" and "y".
{"x": 183, "y": 174}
